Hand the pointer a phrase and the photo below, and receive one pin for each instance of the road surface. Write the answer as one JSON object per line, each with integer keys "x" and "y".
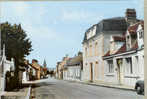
{"x": 59, "y": 89}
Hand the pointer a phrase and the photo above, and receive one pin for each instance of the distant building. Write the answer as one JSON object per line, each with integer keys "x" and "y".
{"x": 73, "y": 68}
{"x": 60, "y": 67}
{"x": 37, "y": 68}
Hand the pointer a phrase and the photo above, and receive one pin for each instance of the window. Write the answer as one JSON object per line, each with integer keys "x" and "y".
{"x": 128, "y": 45}
{"x": 90, "y": 50}
{"x": 96, "y": 49}
{"x": 140, "y": 34}
{"x": 111, "y": 66}
{"x": 2, "y": 69}
{"x": 129, "y": 62}
{"x": 85, "y": 52}
{"x": 128, "y": 37}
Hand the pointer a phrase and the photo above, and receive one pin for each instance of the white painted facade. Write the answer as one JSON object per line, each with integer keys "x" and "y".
{"x": 127, "y": 67}
{"x": 73, "y": 73}
{"x": 92, "y": 52}
{"x": 5, "y": 66}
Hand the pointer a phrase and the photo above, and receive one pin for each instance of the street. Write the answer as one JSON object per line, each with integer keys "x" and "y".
{"x": 59, "y": 89}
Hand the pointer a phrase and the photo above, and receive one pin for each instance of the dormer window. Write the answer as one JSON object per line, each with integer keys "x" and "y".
{"x": 128, "y": 37}
{"x": 140, "y": 34}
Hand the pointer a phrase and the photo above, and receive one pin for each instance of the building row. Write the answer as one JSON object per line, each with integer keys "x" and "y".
{"x": 34, "y": 71}
{"x": 113, "y": 52}
{"x": 26, "y": 72}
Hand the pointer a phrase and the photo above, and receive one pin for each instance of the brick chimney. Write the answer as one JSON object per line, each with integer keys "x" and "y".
{"x": 131, "y": 16}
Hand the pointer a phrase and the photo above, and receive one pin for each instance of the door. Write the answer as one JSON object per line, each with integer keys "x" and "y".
{"x": 119, "y": 71}
{"x": 91, "y": 72}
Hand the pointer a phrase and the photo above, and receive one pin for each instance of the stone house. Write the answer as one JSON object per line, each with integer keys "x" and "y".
{"x": 57, "y": 70}
{"x": 124, "y": 62}
{"x": 60, "y": 67}
{"x": 36, "y": 68}
{"x": 73, "y": 68}
{"x": 96, "y": 41}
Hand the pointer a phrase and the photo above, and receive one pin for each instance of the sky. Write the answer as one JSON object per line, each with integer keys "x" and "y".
{"x": 56, "y": 28}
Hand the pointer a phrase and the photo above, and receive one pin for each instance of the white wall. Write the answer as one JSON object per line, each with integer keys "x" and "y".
{"x": 72, "y": 73}
{"x": 6, "y": 66}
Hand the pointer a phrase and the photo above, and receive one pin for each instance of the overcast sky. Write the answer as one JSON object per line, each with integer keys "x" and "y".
{"x": 57, "y": 28}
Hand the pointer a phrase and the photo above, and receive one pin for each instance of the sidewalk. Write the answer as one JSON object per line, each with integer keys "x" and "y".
{"x": 104, "y": 84}
{"x": 21, "y": 94}
{"x": 111, "y": 85}
{"x": 36, "y": 81}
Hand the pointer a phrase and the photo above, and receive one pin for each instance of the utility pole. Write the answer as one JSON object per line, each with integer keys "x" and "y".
{"x": 0, "y": 40}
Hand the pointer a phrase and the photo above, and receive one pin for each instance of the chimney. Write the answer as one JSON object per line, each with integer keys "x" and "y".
{"x": 130, "y": 16}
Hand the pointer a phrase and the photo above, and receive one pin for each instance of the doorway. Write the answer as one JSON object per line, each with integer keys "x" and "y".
{"x": 119, "y": 71}
{"x": 91, "y": 72}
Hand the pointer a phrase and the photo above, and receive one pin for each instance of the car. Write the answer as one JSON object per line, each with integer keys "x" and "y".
{"x": 139, "y": 87}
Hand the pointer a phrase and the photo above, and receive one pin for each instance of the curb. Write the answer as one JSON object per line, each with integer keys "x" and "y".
{"x": 111, "y": 87}
{"x": 1, "y": 94}
{"x": 107, "y": 86}
{"x": 28, "y": 93}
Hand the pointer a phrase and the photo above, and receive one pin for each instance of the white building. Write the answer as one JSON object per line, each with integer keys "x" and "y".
{"x": 96, "y": 44}
{"x": 5, "y": 65}
{"x": 124, "y": 62}
{"x": 73, "y": 68}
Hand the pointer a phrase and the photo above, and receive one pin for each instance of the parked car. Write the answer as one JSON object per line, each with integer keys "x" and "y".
{"x": 139, "y": 87}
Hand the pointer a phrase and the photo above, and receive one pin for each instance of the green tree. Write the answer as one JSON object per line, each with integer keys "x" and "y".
{"x": 17, "y": 44}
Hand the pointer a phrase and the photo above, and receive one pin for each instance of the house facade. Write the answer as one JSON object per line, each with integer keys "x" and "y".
{"x": 60, "y": 67}
{"x": 73, "y": 68}
{"x": 5, "y": 66}
{"x": 96, "y": 42}
{"x": 36, "y": 69}
{"x": 124, "y": 62}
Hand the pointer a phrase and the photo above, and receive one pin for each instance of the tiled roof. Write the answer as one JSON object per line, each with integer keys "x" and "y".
{"x": 118, "y": 38}
{"x": 122, "y": 49}
{"x": 107, "y": 54}
{"x": 132, "y": 29}
{"x": 111, "y": 24}
{"x": 74, "y": 61}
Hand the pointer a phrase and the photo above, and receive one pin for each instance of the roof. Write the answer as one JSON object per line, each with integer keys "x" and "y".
{"x": 123, "y": 49}
{"x": 107, "y": 54}
{"x": 37, "y": 67}
{"x": 111, "y": 24}
{"x": 118, "y": 38}
{"x": 74, "y": 61}
{"x": 132, "y": 29}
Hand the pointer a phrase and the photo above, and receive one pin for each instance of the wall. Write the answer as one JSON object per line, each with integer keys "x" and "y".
{"x": 72, "y": 73}
{"x": 94, "y": 58}
{"x": 127, "y": 78}
{"x": 6, "y": 64}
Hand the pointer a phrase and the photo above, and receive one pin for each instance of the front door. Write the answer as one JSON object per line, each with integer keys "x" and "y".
{"x": 119, "y": 71}
{"x": 91, "y": 72}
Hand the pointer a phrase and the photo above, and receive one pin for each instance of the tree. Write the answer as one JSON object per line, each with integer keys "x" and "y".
{"x": 17, "y": 44}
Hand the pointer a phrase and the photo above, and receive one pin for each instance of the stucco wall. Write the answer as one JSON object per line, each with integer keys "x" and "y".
{"x": 72, "y": 73}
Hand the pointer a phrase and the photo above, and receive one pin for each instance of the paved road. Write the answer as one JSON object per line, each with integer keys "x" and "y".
{"x": 58, "y": 89}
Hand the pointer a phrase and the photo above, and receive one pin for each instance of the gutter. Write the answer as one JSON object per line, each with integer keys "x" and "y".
{"x": 115, "y": 55}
